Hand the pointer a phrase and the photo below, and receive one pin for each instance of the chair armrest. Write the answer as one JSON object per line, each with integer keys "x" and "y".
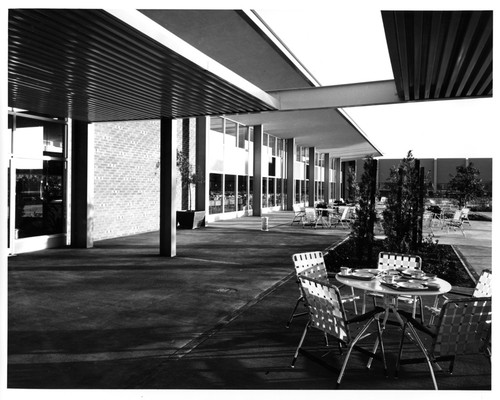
{"x": 417, "y": 324}
{"x": 462, "y": 291}
{"x": 365, "y": 316}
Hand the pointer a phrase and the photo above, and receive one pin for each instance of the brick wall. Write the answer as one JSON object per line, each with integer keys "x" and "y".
{"x": 126, "y": 183}
{"x": 127, "y": 177}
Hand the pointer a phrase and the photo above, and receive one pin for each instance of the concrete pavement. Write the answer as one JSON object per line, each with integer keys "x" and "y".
{"x": 119, "y": 316}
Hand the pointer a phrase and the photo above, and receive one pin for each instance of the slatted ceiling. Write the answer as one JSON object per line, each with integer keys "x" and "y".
{"x": 440, "y": 54}
{"x": 89, "y": 65}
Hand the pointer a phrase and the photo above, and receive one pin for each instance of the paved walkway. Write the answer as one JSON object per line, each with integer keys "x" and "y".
{"x": 119, "y": 316}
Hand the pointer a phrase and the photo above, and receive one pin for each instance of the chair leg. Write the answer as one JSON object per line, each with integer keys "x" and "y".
{"x": 351, "y": 347}
{"x": 300, "y": 344}
{"x": 424, "y": 351}
{"x": 293, "y": 312}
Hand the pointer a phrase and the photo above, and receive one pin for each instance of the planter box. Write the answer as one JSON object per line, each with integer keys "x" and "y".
{"x": 190, "y": 219}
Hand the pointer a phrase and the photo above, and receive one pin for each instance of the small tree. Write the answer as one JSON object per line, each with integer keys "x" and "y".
{"x": 189, "y": 173}
{"x": 466, "y": 184}
{"x": 403, "y": 214}
{"x": 362, "y": 228}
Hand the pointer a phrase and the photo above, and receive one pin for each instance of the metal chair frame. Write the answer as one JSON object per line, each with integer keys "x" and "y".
{"x": 327, "y": 314}
{"x": 463, "y": 328}
{"x": 390, "y": 260}
{"x": 312, "y": 264}
{"x": 483, "y": 288}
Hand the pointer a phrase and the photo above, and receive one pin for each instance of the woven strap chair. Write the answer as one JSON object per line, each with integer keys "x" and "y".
{"x": 483, "y": 288}
{"x": 388, "y": 260}
{"x": 463, "y": 327}
{"x": 312, "y": 265}
{"x": 327, "y": 314}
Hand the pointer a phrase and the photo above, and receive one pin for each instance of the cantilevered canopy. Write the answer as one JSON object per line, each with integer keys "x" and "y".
{"x": 441, "y": 54}
{"x": 329, "y": 130}
{"x": 96, "y": 65}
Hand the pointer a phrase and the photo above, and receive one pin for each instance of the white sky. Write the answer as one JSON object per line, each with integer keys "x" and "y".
{"x": 342, "y": 44}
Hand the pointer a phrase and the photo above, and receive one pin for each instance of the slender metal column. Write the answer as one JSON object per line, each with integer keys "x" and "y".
{"x": 326, "y": 184}
{"x": 82, "y": 185}
{"x": 168, "y": 184}
{"x": 201, "y": 199}
{"x": 291, "y": 155}
{"x": 258, "y": 134}
{"x": 312, "y": 151}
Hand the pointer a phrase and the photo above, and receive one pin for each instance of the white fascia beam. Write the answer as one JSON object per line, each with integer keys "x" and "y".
{"x": 166, "y": 38}
{"x": 350, "y": 95}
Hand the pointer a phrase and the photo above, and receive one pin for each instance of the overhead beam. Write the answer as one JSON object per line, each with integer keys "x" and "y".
{"x": 350, "y": 95}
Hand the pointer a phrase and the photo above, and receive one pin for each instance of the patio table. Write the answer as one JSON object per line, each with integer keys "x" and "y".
{"x": 373, "y": 280}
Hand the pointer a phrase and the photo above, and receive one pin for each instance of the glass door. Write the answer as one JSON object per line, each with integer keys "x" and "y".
{"x": 37, "y": 180}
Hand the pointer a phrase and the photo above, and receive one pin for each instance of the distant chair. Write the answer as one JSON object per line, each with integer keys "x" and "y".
{"x": 463, "y": 328}
{"x": 310, "y": 217}
{"x": 455, "y": 222}
{"x": 299, "y": 214}
{"x": 312, "y": 265}
{"x": 327, "y": 314}
{"x": 345, "y": 219}
{"x": 465, "y": 215}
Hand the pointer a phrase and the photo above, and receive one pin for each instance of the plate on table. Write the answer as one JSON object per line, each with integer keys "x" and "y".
{"x": 410, "y": 285}
{"x": 362, "y": 275}
{"x": 414, "y": 273}
{"x": 369, "y": 270}
{"x": 365, "y": 276}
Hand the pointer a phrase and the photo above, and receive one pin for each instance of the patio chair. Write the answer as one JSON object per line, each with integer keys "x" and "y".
{"x": 430, "y": 220}
{"x": 345, "y": 219}
{"x": 327, "y": 314}
{"x": 465, "y": 215}
{"x": 299, "y": 213}
{"x": 310, "y": 217}
{"x": 388, "y": 260}
{"x": 312, "y": 265}
{"x": 462, "y": 328}
{"x": 483, "y": 288}
{"x": 455, "y": 222}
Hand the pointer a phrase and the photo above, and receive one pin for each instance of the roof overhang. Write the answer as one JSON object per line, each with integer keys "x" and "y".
{"x": 440, "y": 54}
{"x": 329, "y": 130}
{"x": 98, "y": 65}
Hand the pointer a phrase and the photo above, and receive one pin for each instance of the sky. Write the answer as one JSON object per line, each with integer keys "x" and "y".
{"x": 343, "y": 44}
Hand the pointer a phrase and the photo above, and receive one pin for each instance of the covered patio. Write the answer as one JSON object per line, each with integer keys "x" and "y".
{"x": 120, "y": 316}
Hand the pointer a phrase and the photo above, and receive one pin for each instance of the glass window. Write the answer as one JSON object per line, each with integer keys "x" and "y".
{"x": 250, "y": 191}
{"x": 215, "y": 194}
{"x": 285, "y": 192}
{"x": 242, "y": 136}
{"x": 271, "y": 196}
{"x": 272, "y": 166}
{"x": 39, "y": 198}
{"x": 242, "y": 192}
{"x": 231, "y": 133}
{"x": 297, "y": 191}
{"x": 264, "y": 192}
{"x": 217, "y": 124}
{"x": 298, "y": 153}
{"x": 229, "y": 193}
{"x": 272, "y": 144}
{"x": 34, "y": 138}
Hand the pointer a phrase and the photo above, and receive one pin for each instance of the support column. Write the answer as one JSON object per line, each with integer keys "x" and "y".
{"x": 291, "y": 155}
{"x": 326, "y": 184}
{"x": 336, "y": 178}
{"x": 201, "y": 199}
{"x": 311, "y": 168}
{"x": 82, "y": 185}
{"x": 258, "y": 135}
{"x": 168, "y": 183}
